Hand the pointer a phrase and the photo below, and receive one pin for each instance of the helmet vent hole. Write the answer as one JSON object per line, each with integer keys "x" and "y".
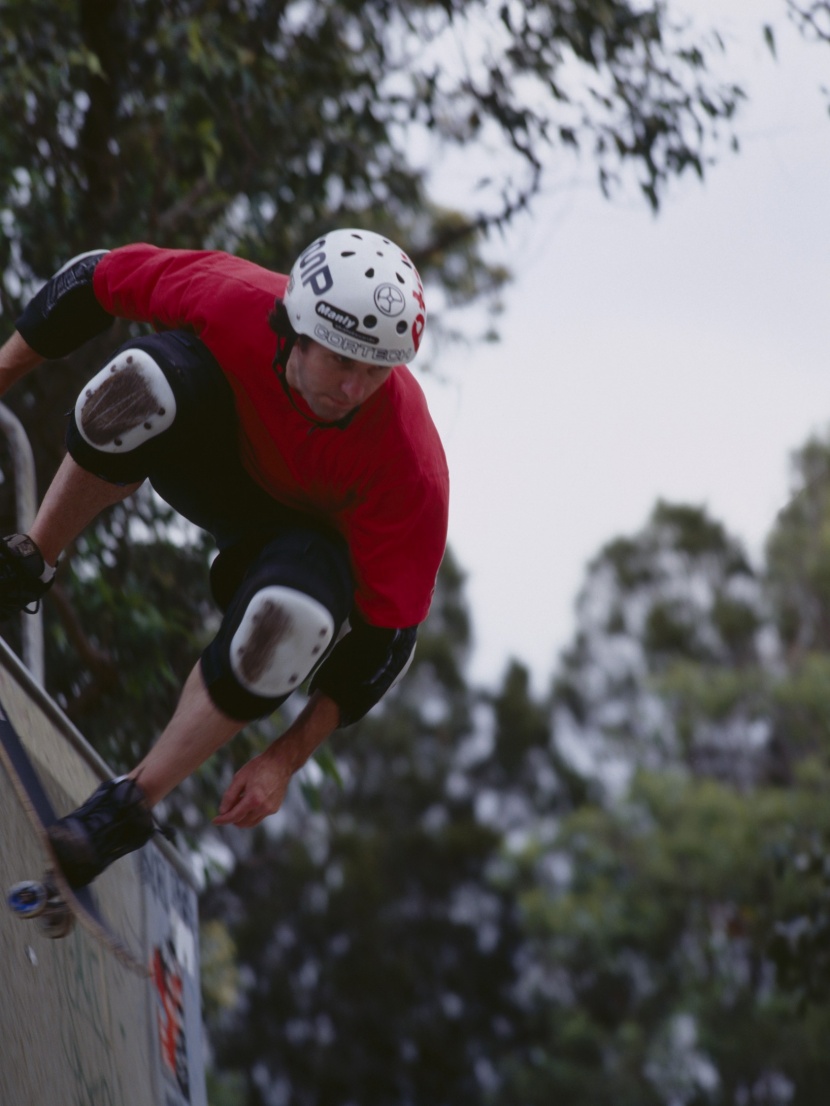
{"x": 347, "y": 253}
{"x": 369, "y": 273}
{"x": 401, "y": 327}
{"x": 400, "y": 278}
{"x": 370, "y": 321}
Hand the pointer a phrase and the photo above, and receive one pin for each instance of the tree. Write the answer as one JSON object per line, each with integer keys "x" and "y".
{"x": 650, "y": 974}
{"x": 813, "y": 19}
{"x": 676, "y": 608}
{"x": 798, "y": 556}
{"x": 263, "y": 109}
{"x": 677, "y": 932}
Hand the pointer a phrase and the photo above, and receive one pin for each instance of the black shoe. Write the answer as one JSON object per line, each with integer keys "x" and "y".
{"x": 21, "y": 566}
{"x": 114, "y": 821}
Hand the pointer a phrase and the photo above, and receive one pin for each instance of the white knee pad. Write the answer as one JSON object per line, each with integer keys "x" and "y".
{"x": 125, "y": 404}
{"x": 282, "y": 635}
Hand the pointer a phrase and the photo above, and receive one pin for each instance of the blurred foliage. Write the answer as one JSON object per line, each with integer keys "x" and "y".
{"x": 798, "y": 555}
{"x": 272, "y": 118}
{"x": 800, "y": 945}
{"x": 658, "y": 614}
{"x": 813, "y": 19}
{"x": 684, "y": 923}
{"x": 655, "y": 984}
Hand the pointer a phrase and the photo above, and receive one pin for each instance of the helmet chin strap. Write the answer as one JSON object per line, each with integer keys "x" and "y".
{"x": 285, "y": 345}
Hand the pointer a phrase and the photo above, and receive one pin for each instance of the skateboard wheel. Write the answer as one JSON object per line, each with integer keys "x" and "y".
{"x": 28, "y": 899}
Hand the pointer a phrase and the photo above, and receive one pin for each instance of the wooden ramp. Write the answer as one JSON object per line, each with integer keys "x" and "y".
{"x": 75, "y": 1026}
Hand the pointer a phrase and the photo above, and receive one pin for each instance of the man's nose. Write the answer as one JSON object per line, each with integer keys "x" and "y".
{"x": 354, "y": 387}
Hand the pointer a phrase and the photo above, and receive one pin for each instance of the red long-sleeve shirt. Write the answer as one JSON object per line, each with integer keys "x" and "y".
{"x": 381, "y": 480}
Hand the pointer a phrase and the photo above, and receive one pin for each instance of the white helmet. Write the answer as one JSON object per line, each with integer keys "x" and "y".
{"x": 359, "y": 294}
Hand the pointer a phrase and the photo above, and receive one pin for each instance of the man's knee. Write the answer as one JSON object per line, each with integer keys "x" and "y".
{"x": 126, "y": 404}
{"x": 281, "y": 637}
{"x": 148, "y": 405}
{"x": 281, "y": 621}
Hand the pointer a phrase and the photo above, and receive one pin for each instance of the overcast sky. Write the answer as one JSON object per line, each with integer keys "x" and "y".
{"x": 682, "y": 357}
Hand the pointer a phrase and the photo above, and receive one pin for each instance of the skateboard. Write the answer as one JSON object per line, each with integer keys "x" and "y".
{"x": 51, "y": 900}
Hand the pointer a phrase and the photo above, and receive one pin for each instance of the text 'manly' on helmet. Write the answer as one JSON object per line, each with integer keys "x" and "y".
{"x": 358, "y": 293}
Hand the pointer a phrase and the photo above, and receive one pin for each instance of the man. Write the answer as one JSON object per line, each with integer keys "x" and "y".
{"x": 277, "y": 414}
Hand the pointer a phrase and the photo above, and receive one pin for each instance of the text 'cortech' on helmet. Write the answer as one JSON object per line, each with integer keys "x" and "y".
{"x": 359, "y": 294}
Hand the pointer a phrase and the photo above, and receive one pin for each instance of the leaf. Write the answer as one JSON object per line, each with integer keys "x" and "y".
{"x": 769, "y": 39}
{"x": 328, "y": 764}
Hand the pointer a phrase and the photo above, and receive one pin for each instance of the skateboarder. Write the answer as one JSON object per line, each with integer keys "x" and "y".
{"x": 277, "y": 414}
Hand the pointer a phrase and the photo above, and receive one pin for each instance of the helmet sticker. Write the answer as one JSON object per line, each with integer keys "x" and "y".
{"x": 314, "y": 272}
{"x": 343, "y": 321}
{"x": 389, "y": 300}
{"x": 357, "y": 346}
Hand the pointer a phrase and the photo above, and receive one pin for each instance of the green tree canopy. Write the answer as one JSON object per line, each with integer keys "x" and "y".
{"x": 679, "y": 596}
{"x": 251, "y": 125}
{"x": 651, "y": 974}
{"x": 678, "y": 930}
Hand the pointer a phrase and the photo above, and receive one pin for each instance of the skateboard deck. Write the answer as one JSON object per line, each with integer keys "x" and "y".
{"x": 79, "y": 902}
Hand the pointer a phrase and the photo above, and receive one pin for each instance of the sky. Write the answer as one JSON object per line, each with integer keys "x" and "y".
{"x": 681, "y": 357}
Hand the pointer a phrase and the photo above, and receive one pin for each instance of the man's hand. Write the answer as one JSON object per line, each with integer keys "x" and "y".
{"x": 259, "y": 787}
{"x": 257, "y": 790}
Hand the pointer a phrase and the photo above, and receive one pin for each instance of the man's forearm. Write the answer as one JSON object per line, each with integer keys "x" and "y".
{"x": 259, "y": 787}
{"x": 316, "y": 722}
{"x": 16, "y": 359}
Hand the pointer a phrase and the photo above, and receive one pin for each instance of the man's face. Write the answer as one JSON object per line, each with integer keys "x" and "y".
{"x": 332, "y": 385}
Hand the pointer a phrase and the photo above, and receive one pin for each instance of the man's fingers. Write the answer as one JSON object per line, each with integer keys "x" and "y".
{"x": 245, "y": 814}
{"x": 240, "y": 807}
{"x": 248, "y": 819}
{"x": 231, "y": 800}
{"x": 231, "y": 796}
{"x": 249, "y": 798}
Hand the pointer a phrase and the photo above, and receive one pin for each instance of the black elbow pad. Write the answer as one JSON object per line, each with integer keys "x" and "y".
{"x": 65, "y": 313}
{"x": 363, "y": 666}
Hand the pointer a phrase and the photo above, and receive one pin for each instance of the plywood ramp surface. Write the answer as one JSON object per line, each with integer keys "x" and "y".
{"x": 76, "y": 1027}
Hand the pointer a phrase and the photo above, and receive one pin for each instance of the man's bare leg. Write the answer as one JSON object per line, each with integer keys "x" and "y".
{"x": 198, "y": 729}
{"x": 75, "y": 497}
{"x": 194, "y": 733}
